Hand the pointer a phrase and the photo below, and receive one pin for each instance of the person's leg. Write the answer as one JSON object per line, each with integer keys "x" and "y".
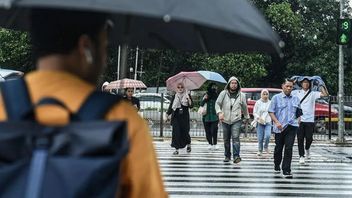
{"x": 267, "y": 135}
{"x": 236, "y": 145}
{"x": 214, "y": 132}
{"x": 309, "y": 134}
{"x": 309, "y": 137}
{"x": 226, "y": 136}
{"x": 260, "y": 137}
{"x": 207, "y": 129}
{"x": 279, "y": 144}
{"x": 300, "y": 139}
{"x": 290, "y": 135}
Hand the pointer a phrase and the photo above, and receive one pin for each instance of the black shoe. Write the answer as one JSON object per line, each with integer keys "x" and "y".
{"x": 226, "y": 159}
{"x": 176, "y": 152}
{"x": 287, "y": 174}
{"x": 277, "y": 170}
{"x": 189, "y": 149}
{"x": 237, "y": 160}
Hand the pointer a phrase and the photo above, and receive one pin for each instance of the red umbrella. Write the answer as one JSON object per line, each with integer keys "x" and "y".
{"x": 126, "y": 83}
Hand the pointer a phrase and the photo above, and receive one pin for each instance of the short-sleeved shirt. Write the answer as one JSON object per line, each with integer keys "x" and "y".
{"x": 308, "y": 104}
{"x": 140, "y": 170}
{"x": 284, "y": 108}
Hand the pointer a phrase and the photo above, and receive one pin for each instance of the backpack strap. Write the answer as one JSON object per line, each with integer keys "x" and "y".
{"x": 16, "y": 100}
{"x": 97, "y": 106}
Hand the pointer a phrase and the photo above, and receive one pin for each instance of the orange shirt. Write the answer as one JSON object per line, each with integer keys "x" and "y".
{"x": 140, "y": 171}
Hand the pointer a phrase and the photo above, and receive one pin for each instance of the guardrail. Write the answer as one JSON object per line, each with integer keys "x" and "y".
{"x": 326, "y": 123}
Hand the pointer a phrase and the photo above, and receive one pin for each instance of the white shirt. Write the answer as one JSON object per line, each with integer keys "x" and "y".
{"x": 308, "y": 105}
{"x": 260, "y": 110}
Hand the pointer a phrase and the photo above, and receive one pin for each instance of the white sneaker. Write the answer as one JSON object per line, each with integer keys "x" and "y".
{"x": 301, "y": 160}
{"x": 210, "y": 147}
{"x": 216, "y": 147}
{"x": 259, "y": 153}
{"x": 307, "y": 154}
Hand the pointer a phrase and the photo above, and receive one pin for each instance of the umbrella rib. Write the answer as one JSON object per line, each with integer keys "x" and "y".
{"x": 201, "y": 39}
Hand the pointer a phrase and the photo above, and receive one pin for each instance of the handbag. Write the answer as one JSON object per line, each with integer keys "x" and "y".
{"x": 203, "y": 109}
{"x": 299, "y": 111}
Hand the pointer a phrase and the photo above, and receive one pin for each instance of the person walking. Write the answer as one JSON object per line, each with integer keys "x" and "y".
{"x": 133, "y": 100}
{"x": 263, "y": 120}
{"x": 306, "y": 125}
{"x": 210, "y": 119}
{"x": 230, "y": 105}
{"x": 282, "y": 111}
{"x": 179, "y": 112}
{"x": 70, "y": 49}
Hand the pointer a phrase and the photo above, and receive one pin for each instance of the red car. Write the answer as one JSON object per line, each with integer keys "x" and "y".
{"x": 321, "y": 109}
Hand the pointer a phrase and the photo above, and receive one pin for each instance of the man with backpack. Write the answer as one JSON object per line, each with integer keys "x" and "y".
{"x": 70, "y": 54}
{"x": 306, "y": 126}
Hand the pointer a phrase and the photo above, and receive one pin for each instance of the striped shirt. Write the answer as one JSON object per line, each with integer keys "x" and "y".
{"x": 284, "y": 108}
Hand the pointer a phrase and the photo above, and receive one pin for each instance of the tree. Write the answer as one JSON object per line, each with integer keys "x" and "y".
{"x": 15, "y": 50}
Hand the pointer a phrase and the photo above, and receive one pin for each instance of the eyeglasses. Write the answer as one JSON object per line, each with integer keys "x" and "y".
{"x": 180, "y": 87}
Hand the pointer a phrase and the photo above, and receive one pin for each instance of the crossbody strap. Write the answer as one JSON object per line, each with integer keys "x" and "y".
{"x": 16, "y": 99}
{"x": 305, "y": 96}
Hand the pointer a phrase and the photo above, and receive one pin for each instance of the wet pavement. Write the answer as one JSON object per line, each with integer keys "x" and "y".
{"x": 202, "y": 173}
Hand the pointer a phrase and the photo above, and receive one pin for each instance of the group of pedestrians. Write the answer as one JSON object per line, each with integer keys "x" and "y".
{"x": 229, "y": 109}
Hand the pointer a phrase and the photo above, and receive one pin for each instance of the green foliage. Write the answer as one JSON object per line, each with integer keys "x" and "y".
{"x": 15, "y": 50}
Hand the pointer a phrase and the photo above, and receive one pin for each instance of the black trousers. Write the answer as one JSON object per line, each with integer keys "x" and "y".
{"x": 285, "y": 139}
{"x": 211, "y": 132}
{"x": 306, "y": 130}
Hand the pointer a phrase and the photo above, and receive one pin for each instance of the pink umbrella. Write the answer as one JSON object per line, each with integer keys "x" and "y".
{"x": 125, "y": 83}
{"x": 190, "y": 80}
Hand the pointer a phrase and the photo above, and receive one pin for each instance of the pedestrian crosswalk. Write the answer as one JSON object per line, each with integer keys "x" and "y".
{"x": 202, "y": 173}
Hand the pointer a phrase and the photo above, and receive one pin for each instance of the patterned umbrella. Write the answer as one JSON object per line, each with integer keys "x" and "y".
{"x": 125, "y": 83}
{"x": 191, "y": 80}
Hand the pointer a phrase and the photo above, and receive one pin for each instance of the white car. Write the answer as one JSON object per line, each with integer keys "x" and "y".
{"x": 8, "y": 74}
{"x": 152, "y": 101}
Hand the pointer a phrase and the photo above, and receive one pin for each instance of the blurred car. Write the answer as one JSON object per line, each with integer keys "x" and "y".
{"x": 8, "y": 74}
{"x": 152, "y": 101}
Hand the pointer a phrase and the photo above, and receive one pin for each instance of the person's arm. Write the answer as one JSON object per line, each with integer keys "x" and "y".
{"x": 190, "y": 101}
{"x": 244, "y": 106}
{"x": 256, "y": 110}
{"x": 169, "y": 110}
{"x": 218, "y": 106}
{"x": 272, "y": 109}
{"x": 323, "y": 91}
{"x": 204, "y": 100}
{"x": 140, "y": 172}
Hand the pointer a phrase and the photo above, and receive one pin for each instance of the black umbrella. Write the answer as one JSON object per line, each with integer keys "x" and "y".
{"x": 192, "y": 25}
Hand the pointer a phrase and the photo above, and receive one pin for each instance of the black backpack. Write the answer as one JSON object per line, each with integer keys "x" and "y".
{"x": 81, "y": 159}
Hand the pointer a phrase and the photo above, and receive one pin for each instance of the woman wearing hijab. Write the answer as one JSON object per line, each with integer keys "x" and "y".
{"x": 179, "y": 111}
{"x": 262, "y": 117}
{"x": 210, "y": 119}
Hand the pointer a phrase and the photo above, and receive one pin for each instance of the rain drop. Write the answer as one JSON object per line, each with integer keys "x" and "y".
{"x": 167, "y": 18}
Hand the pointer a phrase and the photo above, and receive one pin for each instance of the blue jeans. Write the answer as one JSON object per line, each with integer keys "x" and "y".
{"x": 232, "y": 131}
{"x": 263, "y": 134}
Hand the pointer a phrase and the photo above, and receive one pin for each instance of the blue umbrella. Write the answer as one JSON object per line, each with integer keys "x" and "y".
{"x": 212, "y": 76}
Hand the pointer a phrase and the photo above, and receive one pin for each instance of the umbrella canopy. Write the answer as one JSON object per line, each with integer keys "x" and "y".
{"x": 212, "y": 76}
{"x": 125, "y": 83}
{"x": 192, "y": 25}
{"x": 315, "y": 81}
{"x": 190, "y": 80}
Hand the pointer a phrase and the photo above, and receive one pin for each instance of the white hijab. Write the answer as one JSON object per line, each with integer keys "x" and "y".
{"x": 180, "y": 98}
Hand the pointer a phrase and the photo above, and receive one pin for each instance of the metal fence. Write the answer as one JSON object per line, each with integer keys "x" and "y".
{"x": 326, "y": 121}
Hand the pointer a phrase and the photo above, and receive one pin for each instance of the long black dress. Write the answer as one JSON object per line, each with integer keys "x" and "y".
{"x": 180, "y": 125}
